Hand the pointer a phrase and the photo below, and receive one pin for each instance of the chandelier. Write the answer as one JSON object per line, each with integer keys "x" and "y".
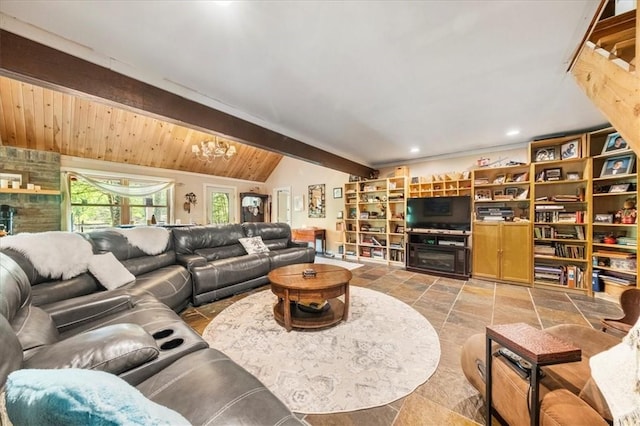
{"x": 207, "y": 151}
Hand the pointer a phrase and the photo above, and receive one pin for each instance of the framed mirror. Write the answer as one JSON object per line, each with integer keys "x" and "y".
{"x": 316, "y": 201}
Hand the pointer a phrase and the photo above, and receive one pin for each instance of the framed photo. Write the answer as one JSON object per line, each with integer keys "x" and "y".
{"x": 364, "y": 215}
{"x": 620, "y": 187}
{"x": 570, "y": 149}
{"x": 614, "y": 143}
{"x": 603, "y": 218}
{"x": 621, "y": 165}
{"x": 545, "y": 154}
{"x": 512, "y": 190}
{"x": 399, "y": 229}
{"x": 498, "y": 193}
{"x": 573, "y": 176}
{"x": 337, "y": 192}
{"x": 499, "y": 179}
{"x": 553, "y": 174}
{"x": 483, "y": 194}
{"x": 521, "y": 177}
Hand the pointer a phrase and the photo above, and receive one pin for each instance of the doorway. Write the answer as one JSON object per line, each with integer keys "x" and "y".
{"x": 221, "y": 202}
{"x": 282, "y": 208}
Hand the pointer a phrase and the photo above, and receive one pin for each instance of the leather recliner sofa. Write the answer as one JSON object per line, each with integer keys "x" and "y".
{"x": 219, "y": 264}
{"x": 568, "y": 394}
{"x": 138, "y": 338}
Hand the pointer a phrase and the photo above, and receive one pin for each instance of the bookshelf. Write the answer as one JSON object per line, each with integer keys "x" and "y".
{"x": 443, "y": 185}
{"x": 374, "y": 222}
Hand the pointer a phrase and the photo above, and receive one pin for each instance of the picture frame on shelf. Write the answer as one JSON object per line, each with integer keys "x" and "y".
{"x": 570, "y": 150}
{"x": 614, "y": 142}
{"x": 499, "y": 179}
{"x": 483, "y": 194}
{"x": 573, "y": 176}
{"x": 512, "y": 191}
{"x": 497, "y": 193}
{"x": 399, "y": 229}
{"x": 545, "y": 154}
{"x": 603, "y": 218}
{"x": 364, "y": 215}
{"x": 619, "y": 187}
{"x": 553, "y": 174}
{"x": 337, "y": 192}
{"x": 620, "y": 165}
{"x": 521, "y": 177}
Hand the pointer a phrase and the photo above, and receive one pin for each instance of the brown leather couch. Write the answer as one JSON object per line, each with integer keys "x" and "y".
{"x": 568, "y": 395}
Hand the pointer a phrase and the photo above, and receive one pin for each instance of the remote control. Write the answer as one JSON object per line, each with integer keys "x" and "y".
{"x": 516, "y": 360}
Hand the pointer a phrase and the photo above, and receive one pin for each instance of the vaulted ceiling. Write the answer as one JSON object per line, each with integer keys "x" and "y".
{"x": 367, "y": 81}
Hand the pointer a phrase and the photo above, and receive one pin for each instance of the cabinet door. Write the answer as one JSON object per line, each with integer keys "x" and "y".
{"x": 486, "y": 238}
{"x": 516, "y": 252}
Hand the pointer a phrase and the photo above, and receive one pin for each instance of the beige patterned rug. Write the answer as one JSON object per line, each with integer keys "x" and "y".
{"x": 383, "y": 352}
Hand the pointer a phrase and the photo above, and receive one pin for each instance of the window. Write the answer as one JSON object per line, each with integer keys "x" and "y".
{"x": 93, "y": 207}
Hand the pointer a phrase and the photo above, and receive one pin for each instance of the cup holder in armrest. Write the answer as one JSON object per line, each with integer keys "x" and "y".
{"x": 171, "y": 344}
{"x": 162, "y": 334}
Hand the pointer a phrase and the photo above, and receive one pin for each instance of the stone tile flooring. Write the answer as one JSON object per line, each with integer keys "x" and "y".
{"x": 457, "y": 309}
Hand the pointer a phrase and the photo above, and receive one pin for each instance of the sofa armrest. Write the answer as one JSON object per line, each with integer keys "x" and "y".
{"x": 297, "y": 244}
{"x": 190, "y": 260}
{"x": 561, "y": 407}
{"x": 70, "y": 313}
{"x": 114, "y": 349}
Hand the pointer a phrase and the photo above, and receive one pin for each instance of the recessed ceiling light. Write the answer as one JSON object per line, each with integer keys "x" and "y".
{"x": 414, "y": 150}
{"x": 513, "y": 132}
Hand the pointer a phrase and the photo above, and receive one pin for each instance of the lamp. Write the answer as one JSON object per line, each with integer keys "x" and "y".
{"x": 207, "y": 151}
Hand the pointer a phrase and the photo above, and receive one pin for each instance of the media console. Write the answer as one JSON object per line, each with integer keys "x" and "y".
{"x": 439, "y": 252}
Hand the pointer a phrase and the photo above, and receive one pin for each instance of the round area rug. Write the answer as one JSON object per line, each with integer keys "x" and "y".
{"x": 383, "y": 352}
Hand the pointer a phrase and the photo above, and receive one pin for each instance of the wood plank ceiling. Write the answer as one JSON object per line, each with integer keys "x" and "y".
{"x": 38, "y": 118}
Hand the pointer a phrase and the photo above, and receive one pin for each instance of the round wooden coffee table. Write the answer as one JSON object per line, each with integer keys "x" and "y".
{"x": 290, "y": 286}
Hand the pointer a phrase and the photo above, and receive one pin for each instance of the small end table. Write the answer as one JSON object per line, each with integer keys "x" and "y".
{"x": 533, "y": 345}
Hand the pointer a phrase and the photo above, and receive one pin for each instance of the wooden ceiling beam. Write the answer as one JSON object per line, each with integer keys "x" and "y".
{"x": 26, "y": 60}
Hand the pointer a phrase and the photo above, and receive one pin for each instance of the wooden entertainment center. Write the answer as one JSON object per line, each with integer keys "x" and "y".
{"x": 440, "y": 252}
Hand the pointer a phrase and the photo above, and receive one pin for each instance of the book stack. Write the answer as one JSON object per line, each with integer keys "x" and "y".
{"x": 550, "y": 274}
{"x": 489, "y": 213}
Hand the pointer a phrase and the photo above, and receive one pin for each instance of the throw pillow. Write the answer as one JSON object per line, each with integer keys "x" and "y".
{"x": 253, "y": 245}
{"x": 109, "y": 271}
{"x": 74, "y": 396}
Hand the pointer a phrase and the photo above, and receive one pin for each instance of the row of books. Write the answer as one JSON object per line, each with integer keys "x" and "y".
{"x": 559, "y": 216}
{"x": 373, "y": 253}
{"x": 370, "y": 239}
{"x": 568, "y": 232}
{"x": 570, "y": 276}
{"x": 570, "y": 251}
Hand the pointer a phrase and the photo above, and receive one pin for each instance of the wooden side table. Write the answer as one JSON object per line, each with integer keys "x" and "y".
{"x": 310, "y": 235}
{"x": 533, "y": 345}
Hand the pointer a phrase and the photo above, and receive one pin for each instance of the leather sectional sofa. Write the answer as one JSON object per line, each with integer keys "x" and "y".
{"x": 568, "y": 394}
{"x": 134, "y": 331}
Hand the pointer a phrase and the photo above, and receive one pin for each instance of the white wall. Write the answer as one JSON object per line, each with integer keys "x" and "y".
{"x": 299, "y": 175}
{"x": 185, "y": 182}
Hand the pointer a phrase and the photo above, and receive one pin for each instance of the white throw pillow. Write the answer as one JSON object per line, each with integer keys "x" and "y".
{"x": 253, "y": 245}
{"x": 109, "y": 271}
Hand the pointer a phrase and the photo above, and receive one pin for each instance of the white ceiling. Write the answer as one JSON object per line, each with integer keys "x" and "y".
{"x": 364, "y": 80}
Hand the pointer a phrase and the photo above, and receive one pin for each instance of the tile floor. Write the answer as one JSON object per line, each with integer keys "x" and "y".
{"x": 456, "y": 309}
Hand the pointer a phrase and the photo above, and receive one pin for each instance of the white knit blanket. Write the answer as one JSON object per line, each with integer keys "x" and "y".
{"x": 616, "y": 371}
{"x": 54, "y": 254}
{"x": 151, "y": 240}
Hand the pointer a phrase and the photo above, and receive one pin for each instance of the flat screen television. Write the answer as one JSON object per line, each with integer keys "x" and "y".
{"x": 447, "y": 213}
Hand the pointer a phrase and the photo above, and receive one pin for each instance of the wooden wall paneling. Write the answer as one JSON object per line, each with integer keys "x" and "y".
{"x": 57, "y": 121}
{"x": 16, "y": 97}
{"x": 34, "y": 121}
{"x": 47, "y": 105}
{"x": 3, "y": 123}
{"x": 100, "y": 114}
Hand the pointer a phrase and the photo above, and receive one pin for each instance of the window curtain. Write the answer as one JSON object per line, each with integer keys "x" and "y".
{"x": 124, "y": 190}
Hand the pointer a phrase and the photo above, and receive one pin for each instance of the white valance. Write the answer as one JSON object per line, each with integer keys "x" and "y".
{"x": 125, "y": 190}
